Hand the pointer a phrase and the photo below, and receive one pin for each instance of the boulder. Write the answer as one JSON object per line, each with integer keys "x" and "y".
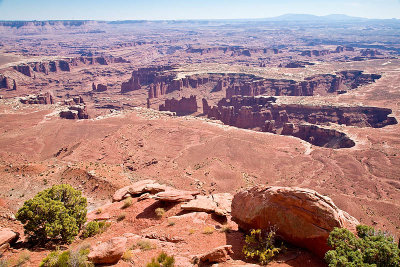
{"x": 217, "y": 255}
{"x": 109, "y": 252}
{"x": 201, "y": 203}
{"x": 173, "y": 195}
{"x": 133, "y": 189}
{"x": 302, "y": 217}
{"x": 8, "y": 236}
{"x": 224, "y": 203}
{"x": 217, "y": 203}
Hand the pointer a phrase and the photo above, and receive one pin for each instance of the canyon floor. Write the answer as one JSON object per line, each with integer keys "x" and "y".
{"x": 127, "y": 139}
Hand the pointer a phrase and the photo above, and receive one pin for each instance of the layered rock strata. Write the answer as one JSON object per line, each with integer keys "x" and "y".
{"x": 263, "y": 114}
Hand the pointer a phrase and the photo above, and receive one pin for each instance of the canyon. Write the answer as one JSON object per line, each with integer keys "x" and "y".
{"x": 202, "y": 119}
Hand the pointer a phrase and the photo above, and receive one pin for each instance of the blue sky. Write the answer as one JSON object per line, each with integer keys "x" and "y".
{"x": 190, "y": 9}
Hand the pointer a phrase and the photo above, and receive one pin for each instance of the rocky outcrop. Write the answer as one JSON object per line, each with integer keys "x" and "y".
{"x": 7, "y": 238}
{"x": 370, "y": 53}
{"x": 65, "y": 64}
{"x": 7, "y": 83}
{"x": 75, "y": 112}
{"x": 44, "y": 99}
{"x": 219, "y": 204}
{"x": 216, "y": 255}
{"x": 298, "y": 64}
{"x": 131, "y": 85}
{"x": 316, "y": 53}
{"x": 24, "y": 69}
{"x": 322, "y": 84}
{"x": 262, "y": 114}
{"x": 232, "y": 50}
{"x": 76, "y": 109}
{"x": 109, "y": 252}
{"x": 174, "y": 195}
{"x": 156, "y": 191}
{"x": 302, "y": 217}
{"x": 76, "y": 100}
{"x": 147, "y": 76}
{"x": 140, "y": 187}
{"x": 182, "y": 106}
{"x": 99, "y": 88}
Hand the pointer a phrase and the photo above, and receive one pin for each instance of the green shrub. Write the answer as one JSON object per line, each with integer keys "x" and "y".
{"x": 260, "y": 246}
{"x": 56, "y": 213}
{"x": 368, "y": 248}
{"x": 163, "y": 260}
{"x": 76, "y": 258}
{"x": 93, "y": 228}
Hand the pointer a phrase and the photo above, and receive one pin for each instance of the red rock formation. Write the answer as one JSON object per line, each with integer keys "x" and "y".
{"x": 131, "y": 85}
{"x": 53, "y": 66}
{"x": 260, "y": 113}
{"x": 99, "y": 88}
{"x": 109, "y": 252}
{"x": 64, "y": 65}
{"x": 370, "y": 53}
{"x": 317, "y": 53}
{"x": 325, "y": 83}
{"x": 75, "y": 112}
{"x": 7, "y": 83}
{"x": 24, "y": 69}
{"x": 182, "y": 106}
{"x": 302, "y": 217}
{"x": 76, "y": 109}
{"x": 43, "y": 99}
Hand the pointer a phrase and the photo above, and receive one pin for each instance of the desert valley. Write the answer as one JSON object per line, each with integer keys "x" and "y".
{"x": 178, "y": 132}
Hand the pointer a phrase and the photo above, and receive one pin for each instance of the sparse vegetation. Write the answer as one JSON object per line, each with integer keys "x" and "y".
{"x": 171, "y": 223}
{"x": 94, "y": 228}
{"x": 208, "y": 230}
{"x": 226, "y": 229}
{"x": 99, "y": 211}
{"x": 160, "y": 212}
{"x": 76, "y": 258}
{"x": 163, "y": 260}
{"x": 368, "y": 248}
{"x": 127, "y": 203}
{"x": 121, "y": 217}
{"x": 127, "y": 256}
{"x": 144, "y": 245}
{"x": 20, "y": 261}
{"x": 192, "y": 231}
{"x": 260, "y": 245}
{"x": 56, "y": 213}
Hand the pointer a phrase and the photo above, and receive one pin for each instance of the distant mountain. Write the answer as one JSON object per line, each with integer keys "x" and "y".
{"x": 308, "y": 17}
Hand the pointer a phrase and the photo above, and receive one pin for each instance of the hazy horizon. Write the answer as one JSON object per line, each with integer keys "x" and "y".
{"x": 190, "y": 9}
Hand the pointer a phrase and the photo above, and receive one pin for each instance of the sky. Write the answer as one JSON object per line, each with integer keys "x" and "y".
{"x": 190, "y": 9}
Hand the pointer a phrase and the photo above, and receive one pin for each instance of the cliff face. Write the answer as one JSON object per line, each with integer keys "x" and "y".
{"x": 7, "y": 83}
{"x": 323, "y": 83}
{"x": 64, "y": 64}
{"x": 76, "y": 109}
{"x": 147, "y": 76}
{"x": 160, "y": 81}
{"x": 262, "y": 114}
{"x": 182, "y": 106}
{"x": 43, "y": 99}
